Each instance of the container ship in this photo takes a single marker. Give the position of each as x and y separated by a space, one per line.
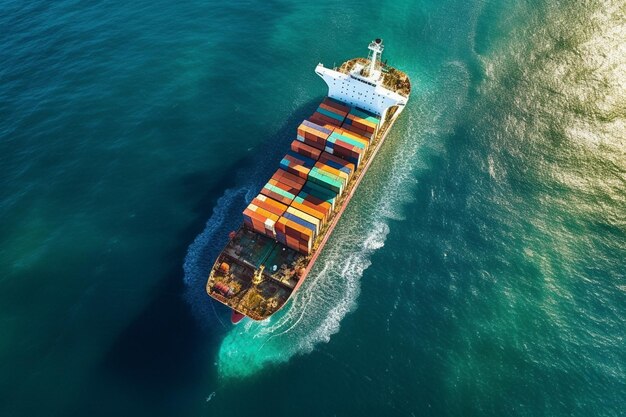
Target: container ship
286 226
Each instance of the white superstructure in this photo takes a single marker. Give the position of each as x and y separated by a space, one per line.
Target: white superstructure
363 87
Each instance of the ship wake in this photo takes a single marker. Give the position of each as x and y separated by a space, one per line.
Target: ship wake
332 289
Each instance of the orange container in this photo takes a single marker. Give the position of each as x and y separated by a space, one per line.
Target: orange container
356 130
333 171
287 182
361 123
270 204
292 177
290 188
309 210
288 178
317 204
273 195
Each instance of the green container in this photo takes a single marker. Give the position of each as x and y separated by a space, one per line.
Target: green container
325 181
347 140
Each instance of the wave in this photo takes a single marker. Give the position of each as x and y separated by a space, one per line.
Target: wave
206 246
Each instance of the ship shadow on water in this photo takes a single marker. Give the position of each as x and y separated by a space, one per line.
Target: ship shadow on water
171 346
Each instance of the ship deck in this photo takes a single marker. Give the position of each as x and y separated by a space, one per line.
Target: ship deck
244 254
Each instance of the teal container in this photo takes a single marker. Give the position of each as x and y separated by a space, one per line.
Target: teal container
325 181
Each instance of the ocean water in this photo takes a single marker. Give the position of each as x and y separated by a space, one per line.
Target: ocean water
480 269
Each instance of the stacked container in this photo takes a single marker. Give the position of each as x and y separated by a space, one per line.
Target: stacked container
262 214
322 193
297 164
306 150
294 235
362 120
327 180
301 196
337 163
313 134
330 113
353 129
346 147
354 135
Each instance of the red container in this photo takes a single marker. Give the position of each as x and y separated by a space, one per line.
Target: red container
281 173
293 185
356 130
336 105
295 167
275 196
290 188
333 110
312 136
323 120
325 157
306 150
317 204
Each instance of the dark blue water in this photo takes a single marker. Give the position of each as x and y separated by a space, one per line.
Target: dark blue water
479 270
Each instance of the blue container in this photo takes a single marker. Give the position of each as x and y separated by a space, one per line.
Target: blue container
338 166
301 222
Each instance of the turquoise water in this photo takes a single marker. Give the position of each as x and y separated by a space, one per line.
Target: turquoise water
479 269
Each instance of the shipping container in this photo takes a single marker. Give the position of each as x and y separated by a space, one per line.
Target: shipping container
325 180
314 202
304 216
296 164
295 168
286 184
337 105
353 135
323 120
347 151
277 193
282 174
360 143
306 150
299 220
362 120
340 174
260 220
312 134
337 162
336 113
356 130
270 204
320 192
298 203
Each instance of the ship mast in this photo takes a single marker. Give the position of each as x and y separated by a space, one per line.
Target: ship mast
376 46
